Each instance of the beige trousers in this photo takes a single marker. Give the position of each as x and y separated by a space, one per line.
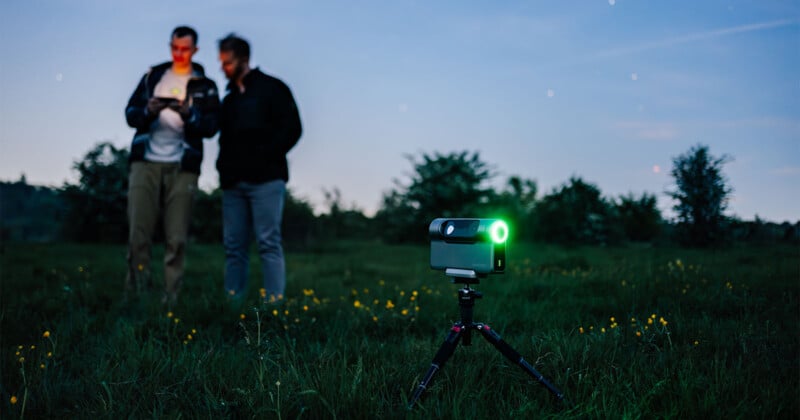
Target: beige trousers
155 188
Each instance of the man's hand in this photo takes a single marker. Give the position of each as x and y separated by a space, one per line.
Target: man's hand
183 108
154 106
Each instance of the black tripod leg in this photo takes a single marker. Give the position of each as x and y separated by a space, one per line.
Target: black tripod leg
515 357
445 351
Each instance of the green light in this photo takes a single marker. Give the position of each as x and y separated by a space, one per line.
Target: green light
498 231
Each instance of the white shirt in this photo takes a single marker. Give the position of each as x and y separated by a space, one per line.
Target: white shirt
166 133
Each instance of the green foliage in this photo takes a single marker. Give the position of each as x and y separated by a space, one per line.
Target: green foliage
702 196
452 185
29 213
575 213
515 204
96 206
639 218
299 224
206 224
341 222
624 332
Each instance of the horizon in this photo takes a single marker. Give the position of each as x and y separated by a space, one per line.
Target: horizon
610 91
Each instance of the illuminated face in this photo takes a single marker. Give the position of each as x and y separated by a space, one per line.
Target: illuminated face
232 66
183 49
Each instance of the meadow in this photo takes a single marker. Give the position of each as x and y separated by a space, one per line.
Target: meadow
629 332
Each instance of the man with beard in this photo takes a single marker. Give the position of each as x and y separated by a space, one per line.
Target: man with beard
259 124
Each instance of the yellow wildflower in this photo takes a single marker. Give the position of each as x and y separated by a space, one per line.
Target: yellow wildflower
13 399
404 312
49 354
357 303
241 316
262 292
580 330
308 292
169 314
46 334
375 318
389 304
638 333
274 312
41 366
189 337
305 307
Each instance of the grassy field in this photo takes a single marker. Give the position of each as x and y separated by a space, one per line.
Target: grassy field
623 332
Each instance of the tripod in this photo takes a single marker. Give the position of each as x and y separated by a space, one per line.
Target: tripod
462 330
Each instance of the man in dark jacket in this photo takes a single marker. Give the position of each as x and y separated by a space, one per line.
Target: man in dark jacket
259 124
172 109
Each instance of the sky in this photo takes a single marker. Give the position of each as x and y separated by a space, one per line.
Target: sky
607 90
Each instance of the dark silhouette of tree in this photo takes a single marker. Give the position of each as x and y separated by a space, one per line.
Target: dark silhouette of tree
515 204
576 213
341 222
702 196
639 218
206 224
96 205
451 185
29 213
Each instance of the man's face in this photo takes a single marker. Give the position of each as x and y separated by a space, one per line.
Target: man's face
232 66
183 49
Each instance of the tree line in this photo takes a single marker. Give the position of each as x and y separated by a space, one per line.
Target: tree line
456 184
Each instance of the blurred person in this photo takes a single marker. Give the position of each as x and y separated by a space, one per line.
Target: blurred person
259 124
172 109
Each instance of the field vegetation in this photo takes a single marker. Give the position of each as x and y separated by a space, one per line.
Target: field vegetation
624 332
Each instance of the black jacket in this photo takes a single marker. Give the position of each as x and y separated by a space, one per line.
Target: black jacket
203 121
257 128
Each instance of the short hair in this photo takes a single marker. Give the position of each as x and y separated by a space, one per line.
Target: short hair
235 44
182 31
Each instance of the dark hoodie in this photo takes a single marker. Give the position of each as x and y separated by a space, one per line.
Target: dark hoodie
202 121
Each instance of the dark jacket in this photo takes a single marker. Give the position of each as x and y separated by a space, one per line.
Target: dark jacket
257 128
202 122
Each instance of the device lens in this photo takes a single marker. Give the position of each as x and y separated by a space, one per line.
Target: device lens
499 231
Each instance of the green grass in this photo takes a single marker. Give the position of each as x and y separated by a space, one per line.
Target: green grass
723 344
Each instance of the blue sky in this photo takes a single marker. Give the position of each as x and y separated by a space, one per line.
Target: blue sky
608 90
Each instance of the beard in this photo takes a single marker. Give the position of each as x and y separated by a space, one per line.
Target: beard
237 72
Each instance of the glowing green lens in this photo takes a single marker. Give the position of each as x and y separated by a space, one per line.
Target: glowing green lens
498 231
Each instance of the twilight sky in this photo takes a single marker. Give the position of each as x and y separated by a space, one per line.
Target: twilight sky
608 90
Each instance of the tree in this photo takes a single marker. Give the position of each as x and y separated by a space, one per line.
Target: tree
702 196
452 185
576 213
96 205
639 218
515 205
341 222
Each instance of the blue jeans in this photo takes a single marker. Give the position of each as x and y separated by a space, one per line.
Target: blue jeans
256 208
